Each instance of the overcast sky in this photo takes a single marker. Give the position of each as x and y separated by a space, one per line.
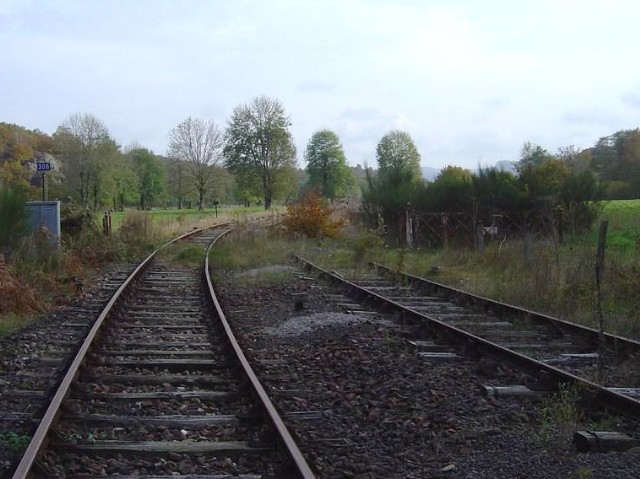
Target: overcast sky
469 80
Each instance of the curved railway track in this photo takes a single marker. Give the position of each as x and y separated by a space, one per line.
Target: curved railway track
33 360
551 351
160 388
162 392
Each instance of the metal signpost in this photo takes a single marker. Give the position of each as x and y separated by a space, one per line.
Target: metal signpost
43 167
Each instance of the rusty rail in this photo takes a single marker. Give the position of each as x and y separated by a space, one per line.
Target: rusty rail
39 440
618 342
474 344
293 451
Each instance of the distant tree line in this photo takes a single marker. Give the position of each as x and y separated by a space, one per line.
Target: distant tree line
567 187
252 160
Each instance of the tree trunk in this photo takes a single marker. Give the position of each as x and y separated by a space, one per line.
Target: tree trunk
325 180
95 196
200 198
266 183
87 189
82 188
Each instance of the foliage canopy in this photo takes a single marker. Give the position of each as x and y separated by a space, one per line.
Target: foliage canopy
398 156
258 145
327 165
199 144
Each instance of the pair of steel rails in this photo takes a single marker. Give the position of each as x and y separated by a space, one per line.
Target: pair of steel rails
548 375
470 342
39 440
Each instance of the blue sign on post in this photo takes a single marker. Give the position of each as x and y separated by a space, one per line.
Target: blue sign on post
43 166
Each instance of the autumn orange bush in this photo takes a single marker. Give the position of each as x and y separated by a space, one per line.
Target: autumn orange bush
312 217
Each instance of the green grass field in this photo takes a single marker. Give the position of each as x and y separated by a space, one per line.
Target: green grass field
624 224
190 216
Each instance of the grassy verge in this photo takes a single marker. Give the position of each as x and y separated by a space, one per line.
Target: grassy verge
12 322
37 278
185 218
257 257
186 254
557 279
553 278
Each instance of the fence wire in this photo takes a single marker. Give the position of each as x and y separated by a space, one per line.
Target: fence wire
557 279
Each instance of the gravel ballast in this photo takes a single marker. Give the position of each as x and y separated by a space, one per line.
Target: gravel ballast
379 410
385 412
34 360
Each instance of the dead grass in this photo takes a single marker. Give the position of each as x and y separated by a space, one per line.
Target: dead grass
39 278
558 280
245 249
15 294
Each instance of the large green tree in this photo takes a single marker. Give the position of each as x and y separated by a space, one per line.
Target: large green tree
397 155
452 189
395 188
531 156
616 161
259 145
580 195
152 176
110 165
179 184
327 165
199 144
397 183
83 141
497 191
119 183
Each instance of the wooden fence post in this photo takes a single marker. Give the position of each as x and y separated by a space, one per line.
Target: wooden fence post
479 237
408 225
602 242
527 242
445 231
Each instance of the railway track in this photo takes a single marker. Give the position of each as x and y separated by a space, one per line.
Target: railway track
157 396
160 388
554 353
33 360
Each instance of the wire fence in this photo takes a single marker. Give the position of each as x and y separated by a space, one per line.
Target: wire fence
558 279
